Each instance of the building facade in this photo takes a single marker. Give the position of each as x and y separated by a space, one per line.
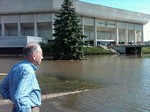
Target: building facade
29 18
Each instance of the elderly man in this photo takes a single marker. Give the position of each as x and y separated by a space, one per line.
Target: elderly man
21 85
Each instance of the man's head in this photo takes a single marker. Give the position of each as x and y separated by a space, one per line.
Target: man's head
33 53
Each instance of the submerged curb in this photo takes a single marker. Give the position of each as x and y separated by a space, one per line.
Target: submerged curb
48 96
3 74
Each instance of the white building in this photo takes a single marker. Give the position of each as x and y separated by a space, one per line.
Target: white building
29 18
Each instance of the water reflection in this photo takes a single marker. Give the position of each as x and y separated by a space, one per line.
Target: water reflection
125 81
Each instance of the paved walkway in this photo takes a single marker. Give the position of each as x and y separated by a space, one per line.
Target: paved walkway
47 105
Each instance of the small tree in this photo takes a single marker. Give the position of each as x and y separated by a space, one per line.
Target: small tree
68 33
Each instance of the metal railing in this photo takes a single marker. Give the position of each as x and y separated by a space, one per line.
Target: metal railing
109 49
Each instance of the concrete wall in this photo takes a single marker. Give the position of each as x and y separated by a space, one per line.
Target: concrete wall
109 13
84 9
18 41
35 18
25 6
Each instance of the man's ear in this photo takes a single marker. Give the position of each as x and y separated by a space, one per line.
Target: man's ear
33 56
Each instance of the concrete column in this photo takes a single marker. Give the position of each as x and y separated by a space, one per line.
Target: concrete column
35 25
138 37
19 26
127 38
142 36
95 33
135 37
3 26
126 31
117 36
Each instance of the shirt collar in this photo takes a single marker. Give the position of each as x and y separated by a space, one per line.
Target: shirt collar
33 66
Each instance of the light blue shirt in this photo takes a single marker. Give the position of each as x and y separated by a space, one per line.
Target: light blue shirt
21 87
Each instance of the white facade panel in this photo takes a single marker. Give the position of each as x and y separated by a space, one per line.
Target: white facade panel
121 25
44 17
89 21
10 18
27 18
100 23
138 27
106 23
112 24
131 26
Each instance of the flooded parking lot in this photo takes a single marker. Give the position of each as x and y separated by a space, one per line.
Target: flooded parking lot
125 83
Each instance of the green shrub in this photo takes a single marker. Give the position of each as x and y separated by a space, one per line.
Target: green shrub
47 48
145 49
95 50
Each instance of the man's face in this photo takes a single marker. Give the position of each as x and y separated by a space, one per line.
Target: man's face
38 56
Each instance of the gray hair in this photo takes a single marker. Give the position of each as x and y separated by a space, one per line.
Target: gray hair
30 48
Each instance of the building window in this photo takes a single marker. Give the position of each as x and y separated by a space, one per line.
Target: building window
27 29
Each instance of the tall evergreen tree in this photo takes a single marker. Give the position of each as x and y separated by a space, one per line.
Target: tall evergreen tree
68 33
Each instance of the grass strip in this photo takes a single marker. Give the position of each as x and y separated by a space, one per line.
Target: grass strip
51 84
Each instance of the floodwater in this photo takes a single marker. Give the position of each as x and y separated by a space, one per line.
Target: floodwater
125 83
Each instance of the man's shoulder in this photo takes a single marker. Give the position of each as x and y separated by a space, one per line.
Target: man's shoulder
22 65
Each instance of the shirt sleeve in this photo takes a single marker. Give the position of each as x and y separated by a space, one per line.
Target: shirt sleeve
4 88
22 93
